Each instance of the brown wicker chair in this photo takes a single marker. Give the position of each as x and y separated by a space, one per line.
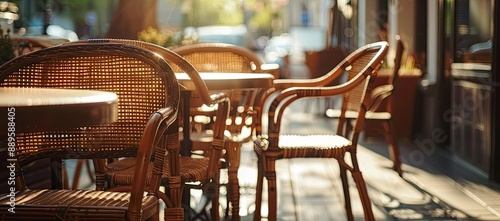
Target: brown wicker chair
202 171
272 145
382 95
220 57
148 95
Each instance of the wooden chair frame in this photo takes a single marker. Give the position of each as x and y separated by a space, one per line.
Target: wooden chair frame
141 130
271 145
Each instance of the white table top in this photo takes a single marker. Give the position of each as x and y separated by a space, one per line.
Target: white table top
17 97
43 109
228 81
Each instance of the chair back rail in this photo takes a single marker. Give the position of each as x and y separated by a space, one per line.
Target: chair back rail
360 65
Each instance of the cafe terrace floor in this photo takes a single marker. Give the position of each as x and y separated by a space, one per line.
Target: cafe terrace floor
435 185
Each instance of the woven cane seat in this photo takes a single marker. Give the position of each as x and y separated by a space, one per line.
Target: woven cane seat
71 205
191 170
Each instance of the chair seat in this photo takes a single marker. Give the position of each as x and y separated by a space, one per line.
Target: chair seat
370 115
335 113
377 115
191 170
70 205
201 139
317 146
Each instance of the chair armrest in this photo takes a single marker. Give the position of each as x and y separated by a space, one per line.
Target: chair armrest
219 98
156 126
326 79
378 95
286 97
222 113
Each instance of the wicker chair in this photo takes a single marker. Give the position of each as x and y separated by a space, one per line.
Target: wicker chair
271 146
381 109
203 172
220 57
148 95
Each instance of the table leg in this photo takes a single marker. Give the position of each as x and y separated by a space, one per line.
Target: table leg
57 174
186 144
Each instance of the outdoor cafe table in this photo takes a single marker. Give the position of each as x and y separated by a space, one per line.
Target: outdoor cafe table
220 81
228 81
49 109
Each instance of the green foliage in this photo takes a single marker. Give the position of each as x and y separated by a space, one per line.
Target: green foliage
78 9
216 12
165 37
262 19
6 46
75 9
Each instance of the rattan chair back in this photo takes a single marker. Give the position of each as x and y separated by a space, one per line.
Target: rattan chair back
148 95
141 88
220 57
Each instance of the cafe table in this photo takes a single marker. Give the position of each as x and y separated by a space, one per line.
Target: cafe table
24 110
46 109
219 81
228 81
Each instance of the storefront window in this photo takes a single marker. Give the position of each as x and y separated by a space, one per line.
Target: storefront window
473 31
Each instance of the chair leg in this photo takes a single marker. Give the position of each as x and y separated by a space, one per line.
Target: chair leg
272 188
392 140
258 196
233 152
228 203
100 177
215 215
363 194
175 192
345 188
175 214
76 177
234 194
272 197
64 176
155 217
